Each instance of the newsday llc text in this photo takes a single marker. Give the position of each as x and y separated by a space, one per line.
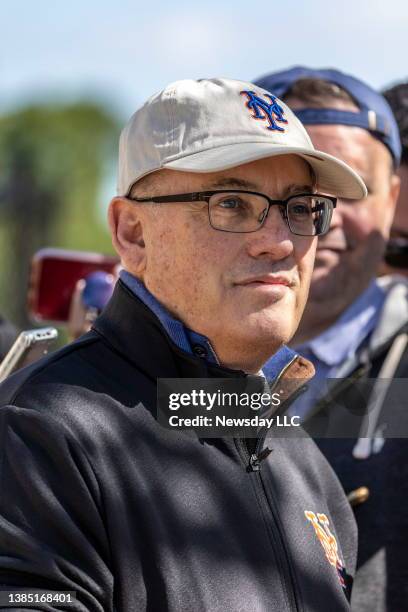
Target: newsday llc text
224 421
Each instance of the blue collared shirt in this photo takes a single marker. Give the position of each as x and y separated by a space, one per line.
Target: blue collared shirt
191 341
340 343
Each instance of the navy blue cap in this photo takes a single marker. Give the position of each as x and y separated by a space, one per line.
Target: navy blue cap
375 114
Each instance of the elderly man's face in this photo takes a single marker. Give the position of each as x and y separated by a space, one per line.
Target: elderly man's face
348 255
245 291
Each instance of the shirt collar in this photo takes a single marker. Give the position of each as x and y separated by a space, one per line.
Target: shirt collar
340 341
274 366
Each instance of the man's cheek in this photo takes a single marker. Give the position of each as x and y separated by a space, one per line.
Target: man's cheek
305 260
305 250
305 272
302 292
360 223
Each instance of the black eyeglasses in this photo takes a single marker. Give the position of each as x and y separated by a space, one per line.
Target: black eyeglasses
306 214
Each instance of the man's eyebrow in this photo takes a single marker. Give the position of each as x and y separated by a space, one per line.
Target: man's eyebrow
228 182
295 188
234 182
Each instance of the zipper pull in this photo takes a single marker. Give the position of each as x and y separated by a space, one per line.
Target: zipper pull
255 460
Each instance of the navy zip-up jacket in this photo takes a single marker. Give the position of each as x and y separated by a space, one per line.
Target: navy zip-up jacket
96 497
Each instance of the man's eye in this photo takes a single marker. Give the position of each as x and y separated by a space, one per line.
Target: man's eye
231 203
300 209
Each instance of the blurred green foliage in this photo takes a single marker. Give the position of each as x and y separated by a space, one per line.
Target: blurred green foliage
53 161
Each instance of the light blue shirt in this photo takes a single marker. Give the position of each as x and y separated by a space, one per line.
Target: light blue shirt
340 342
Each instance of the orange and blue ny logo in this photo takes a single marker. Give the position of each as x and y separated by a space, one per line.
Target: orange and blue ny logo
320 523
267 110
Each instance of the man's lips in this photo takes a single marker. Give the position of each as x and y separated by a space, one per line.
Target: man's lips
267 279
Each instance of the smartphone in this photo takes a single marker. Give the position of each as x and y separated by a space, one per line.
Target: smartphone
28 347
54 275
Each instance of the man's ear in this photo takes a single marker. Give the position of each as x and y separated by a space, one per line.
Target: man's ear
126 225
395 184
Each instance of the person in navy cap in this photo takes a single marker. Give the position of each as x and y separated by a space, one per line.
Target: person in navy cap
354 327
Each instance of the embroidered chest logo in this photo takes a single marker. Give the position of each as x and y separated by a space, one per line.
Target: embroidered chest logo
266 110
320 523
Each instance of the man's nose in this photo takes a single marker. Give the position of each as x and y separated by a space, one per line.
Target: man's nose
273 239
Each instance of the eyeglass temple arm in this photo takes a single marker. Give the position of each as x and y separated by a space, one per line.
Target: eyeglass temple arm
184 197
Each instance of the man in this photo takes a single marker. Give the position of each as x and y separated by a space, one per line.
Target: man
354 328
397 251
215 222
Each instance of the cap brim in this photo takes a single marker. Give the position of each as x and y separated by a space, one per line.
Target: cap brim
333 176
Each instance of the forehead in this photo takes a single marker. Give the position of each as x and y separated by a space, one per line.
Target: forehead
273 174
353 145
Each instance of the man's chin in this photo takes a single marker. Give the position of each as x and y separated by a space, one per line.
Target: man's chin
268 301
269 328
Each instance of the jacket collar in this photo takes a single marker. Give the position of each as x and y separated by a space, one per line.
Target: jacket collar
183 337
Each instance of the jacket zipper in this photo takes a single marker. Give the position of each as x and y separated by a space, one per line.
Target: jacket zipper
253 464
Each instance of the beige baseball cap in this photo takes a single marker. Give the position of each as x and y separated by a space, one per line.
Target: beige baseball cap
211 125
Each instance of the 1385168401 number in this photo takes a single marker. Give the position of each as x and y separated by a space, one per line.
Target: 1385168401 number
36 596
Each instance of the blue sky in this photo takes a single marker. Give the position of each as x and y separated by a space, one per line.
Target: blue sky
124 51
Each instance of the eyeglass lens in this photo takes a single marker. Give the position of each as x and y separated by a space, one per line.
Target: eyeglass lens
306 215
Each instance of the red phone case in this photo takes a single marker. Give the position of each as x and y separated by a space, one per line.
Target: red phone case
53 277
